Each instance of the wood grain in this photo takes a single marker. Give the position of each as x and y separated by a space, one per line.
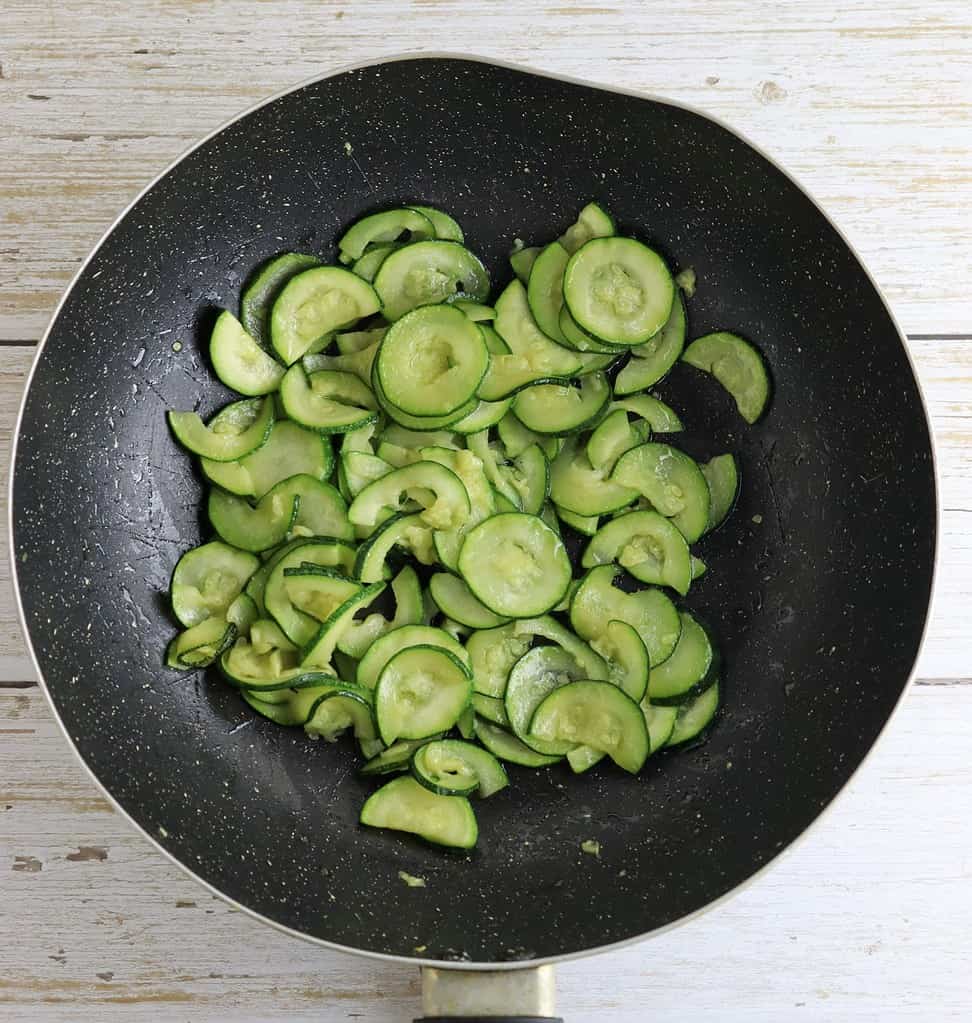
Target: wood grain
870 104
867 919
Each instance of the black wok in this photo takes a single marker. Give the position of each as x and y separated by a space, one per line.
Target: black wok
818 586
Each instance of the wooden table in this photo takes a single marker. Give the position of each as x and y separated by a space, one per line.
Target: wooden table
870 104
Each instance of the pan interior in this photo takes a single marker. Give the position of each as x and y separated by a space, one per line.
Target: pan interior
818 585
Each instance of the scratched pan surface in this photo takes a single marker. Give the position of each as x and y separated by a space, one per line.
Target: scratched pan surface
818 585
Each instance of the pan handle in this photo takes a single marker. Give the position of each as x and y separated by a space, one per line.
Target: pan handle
488 996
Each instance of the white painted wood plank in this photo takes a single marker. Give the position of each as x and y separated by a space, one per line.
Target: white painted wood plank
866 920
868 103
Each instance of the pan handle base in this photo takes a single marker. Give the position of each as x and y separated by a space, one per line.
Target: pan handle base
489 1019
488 996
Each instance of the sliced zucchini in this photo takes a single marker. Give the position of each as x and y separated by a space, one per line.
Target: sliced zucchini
382 228
591 664
370 263
492 654
516 438
359 470
431 361
515 564
408 611
405 530
506 746
319 652
446 228
421 691
563 408
239 361
597 602
351 342
452 768
660 722
322 510
280 713
298 624
695 716
576 486
207 580
359 362
404 805
595 714
722 477
428 483
585 524
475 311
583 758
647 545
397 757
200 644
336 712
234 431
612 438
699 568
737 365
404 437
289 450
261 292
521 262
483 416
488 456
305 596
491 708
658 416
387 646
242 613
690 668
626 656
533 356
423 424
671 481
536 674
428 272
456 600
327 401
619 290
545 290
580 340
314 304
593 221
469 468
251 528
651 361
528 478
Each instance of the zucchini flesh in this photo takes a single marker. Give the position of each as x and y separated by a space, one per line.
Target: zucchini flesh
262 290
239 361
431 361
422 690
737 365
404 805
722 478
236 431
515 564
313 305
618 290
651 361
426 273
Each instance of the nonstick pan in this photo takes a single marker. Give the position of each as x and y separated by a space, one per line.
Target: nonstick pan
818 588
